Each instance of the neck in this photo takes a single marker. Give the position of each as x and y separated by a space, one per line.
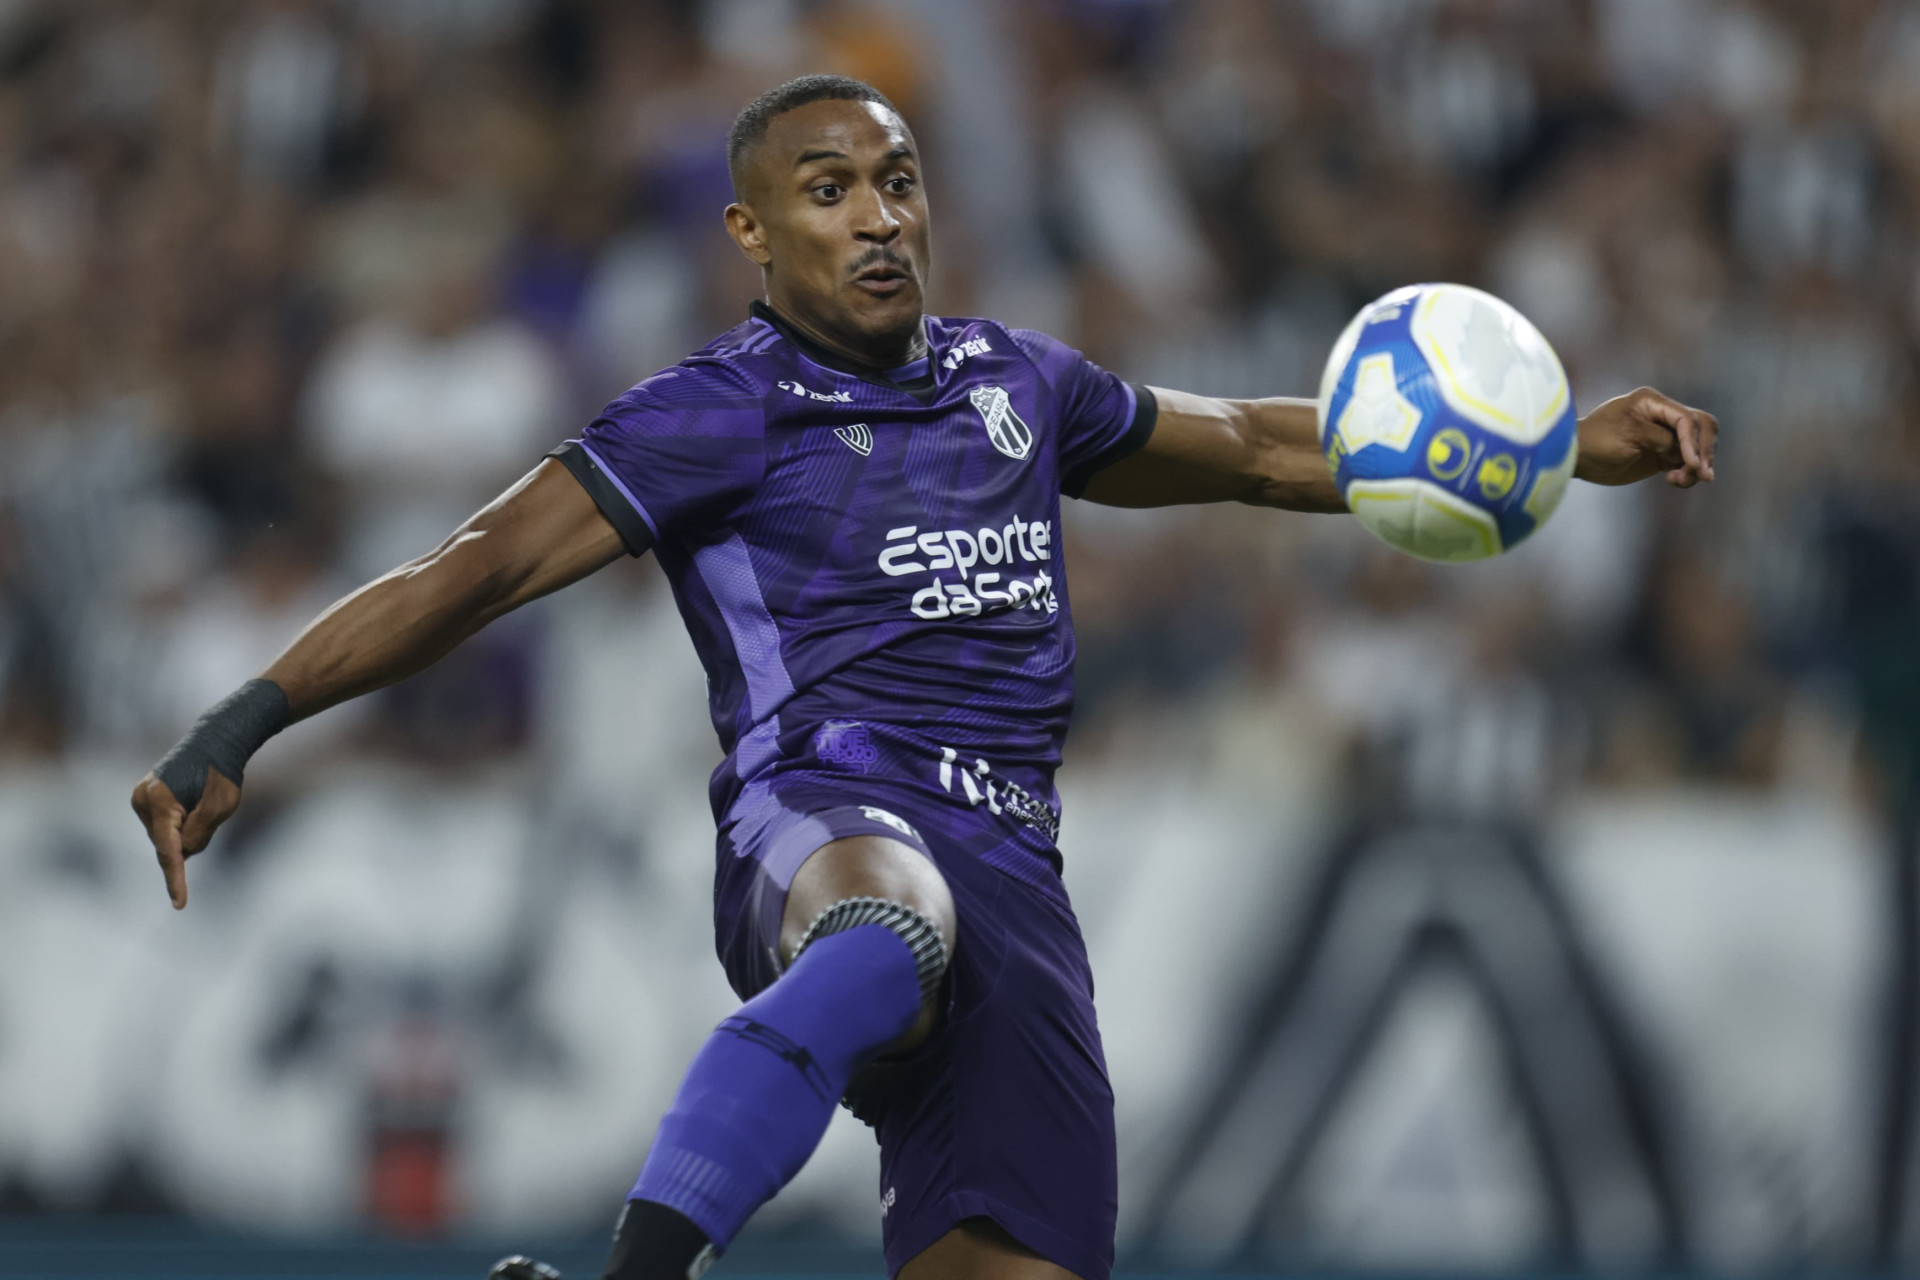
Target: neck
877 355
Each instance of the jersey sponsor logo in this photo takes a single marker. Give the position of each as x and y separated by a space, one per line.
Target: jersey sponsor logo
858 437
951 552
1005 428
847 743
979 786
876 814
965 351
826 397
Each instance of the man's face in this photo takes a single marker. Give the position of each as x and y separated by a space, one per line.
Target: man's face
832 207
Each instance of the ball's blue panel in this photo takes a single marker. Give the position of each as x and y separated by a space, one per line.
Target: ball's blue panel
1516 521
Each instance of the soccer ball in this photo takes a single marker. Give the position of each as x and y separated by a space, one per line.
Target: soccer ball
1447 422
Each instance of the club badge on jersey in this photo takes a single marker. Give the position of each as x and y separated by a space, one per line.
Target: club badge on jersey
1007 430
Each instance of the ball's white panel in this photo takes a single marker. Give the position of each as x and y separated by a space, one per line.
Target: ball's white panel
1489 362
1387 508
1453 530
1424 520
1336 362
1376 412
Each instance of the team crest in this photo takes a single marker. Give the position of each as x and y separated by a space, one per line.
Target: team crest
1004 427
857 437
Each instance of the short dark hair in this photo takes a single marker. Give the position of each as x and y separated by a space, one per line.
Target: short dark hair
750 126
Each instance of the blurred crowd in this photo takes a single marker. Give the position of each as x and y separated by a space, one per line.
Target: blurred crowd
291 286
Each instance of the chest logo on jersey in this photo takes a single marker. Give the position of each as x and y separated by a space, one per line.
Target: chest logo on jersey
826 397
965 351
1005 428
857 437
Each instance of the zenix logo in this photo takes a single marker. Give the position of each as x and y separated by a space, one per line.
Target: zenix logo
828 397
960 354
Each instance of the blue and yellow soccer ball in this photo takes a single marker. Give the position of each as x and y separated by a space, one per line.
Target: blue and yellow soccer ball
1447 422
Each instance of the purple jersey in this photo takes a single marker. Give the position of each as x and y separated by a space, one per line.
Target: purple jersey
859 557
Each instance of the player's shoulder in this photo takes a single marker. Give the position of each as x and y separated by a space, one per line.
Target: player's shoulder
730 375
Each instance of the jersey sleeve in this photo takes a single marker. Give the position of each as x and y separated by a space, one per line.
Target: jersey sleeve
679 452
1099 418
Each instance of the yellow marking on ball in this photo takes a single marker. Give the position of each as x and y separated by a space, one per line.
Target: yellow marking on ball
1448 453
1496 476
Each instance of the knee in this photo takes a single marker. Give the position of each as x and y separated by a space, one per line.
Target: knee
865 867
909 1015
918 907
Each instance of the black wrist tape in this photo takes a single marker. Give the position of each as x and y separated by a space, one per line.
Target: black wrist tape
225 738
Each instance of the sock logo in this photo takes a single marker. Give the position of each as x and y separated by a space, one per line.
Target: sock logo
783 1047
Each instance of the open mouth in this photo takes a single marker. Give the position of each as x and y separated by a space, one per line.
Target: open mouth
882 279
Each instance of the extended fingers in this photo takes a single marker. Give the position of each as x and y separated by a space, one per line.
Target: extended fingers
1709 437
1693 432
161 814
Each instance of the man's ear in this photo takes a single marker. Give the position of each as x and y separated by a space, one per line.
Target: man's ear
748 233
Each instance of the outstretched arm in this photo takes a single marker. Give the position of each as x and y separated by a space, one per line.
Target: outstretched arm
1267 452
537 537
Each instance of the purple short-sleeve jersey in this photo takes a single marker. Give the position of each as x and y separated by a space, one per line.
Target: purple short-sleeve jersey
876 551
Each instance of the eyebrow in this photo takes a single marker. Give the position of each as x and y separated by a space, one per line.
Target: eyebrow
828 153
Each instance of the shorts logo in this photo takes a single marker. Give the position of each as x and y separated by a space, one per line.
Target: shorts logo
857 437
1004 427
876 814
847 743
887 1201
1000 796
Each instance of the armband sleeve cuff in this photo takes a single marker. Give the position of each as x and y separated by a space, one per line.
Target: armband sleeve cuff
615 503
1146 411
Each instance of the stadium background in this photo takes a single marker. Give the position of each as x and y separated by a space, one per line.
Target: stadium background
1559 912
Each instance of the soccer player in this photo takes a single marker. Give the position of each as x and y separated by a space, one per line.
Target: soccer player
858 508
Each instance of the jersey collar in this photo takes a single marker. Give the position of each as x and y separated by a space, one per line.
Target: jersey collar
917 383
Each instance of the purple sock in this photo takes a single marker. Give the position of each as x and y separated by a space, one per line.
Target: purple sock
761 1090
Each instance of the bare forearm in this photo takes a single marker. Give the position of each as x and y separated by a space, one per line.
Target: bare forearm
397 625
537 537
1261 452
1291 471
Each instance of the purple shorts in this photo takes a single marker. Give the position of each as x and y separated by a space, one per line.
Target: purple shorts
1006 1113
